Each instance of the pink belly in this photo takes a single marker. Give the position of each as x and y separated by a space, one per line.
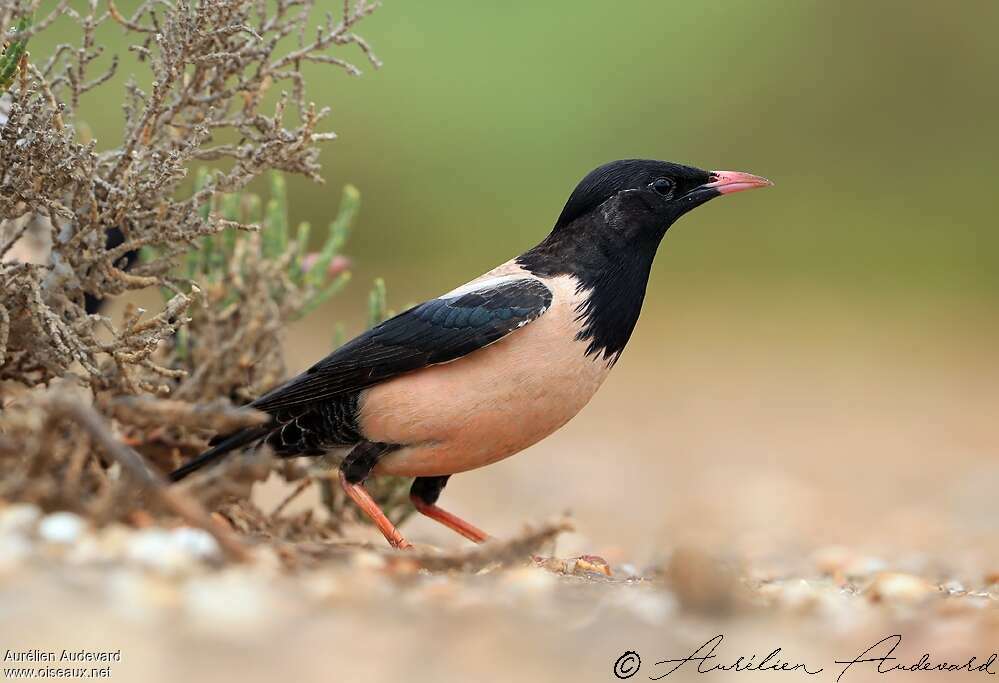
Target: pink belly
488 405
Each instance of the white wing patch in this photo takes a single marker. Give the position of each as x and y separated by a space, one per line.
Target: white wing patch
478 285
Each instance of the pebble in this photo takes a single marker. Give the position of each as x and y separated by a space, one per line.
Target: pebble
197 542
114 540
19 518
160 550
86 550
62 528
591 564
895 587
170 573
798 596
367 561
14 550
528 581
954 587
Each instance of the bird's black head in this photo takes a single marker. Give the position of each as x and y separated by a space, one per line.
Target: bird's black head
643 197
609 232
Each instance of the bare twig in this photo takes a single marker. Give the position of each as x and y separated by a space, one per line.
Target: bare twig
218 417
295 493
185 507
493 554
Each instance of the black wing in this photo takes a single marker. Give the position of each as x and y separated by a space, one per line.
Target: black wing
437 331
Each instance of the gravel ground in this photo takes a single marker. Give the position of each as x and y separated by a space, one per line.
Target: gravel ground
175 611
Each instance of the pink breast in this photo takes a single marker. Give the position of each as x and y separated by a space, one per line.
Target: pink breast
489 404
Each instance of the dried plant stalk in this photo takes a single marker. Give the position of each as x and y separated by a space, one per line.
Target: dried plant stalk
212 62
176 500
73 218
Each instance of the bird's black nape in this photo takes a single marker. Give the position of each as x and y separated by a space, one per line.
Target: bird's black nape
604 182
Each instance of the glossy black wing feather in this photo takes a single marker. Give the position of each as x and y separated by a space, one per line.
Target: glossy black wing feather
436 331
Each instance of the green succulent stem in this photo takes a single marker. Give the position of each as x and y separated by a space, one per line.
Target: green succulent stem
10 57
311 271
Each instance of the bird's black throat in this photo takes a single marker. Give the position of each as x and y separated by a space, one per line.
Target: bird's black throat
607 237
611 266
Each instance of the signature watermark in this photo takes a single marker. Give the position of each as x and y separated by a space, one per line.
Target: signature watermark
58 663
878 658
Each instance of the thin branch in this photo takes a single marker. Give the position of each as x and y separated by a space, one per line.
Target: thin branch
132 462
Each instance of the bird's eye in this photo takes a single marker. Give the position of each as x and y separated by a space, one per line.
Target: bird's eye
663 186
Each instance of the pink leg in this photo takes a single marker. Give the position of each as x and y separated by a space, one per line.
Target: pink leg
360 495
452 522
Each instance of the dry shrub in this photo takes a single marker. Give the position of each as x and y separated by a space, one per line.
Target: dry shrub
232 271
211 65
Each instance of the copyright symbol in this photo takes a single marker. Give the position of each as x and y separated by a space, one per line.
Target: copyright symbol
627 665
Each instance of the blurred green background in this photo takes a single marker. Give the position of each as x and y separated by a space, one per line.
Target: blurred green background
876 120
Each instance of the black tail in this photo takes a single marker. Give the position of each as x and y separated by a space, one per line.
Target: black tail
219 450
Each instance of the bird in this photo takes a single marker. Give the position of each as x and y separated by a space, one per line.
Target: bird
114 238
494 366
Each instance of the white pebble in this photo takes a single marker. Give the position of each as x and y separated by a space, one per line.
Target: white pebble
364 560
14 549
954 587
114 540
798 595
529 581
85 551
62 527
197 542
156 549
19 518
896 587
